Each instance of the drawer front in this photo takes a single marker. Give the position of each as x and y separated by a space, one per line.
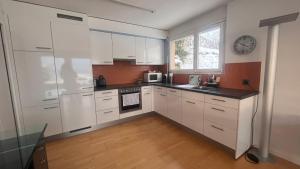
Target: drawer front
160 89
107 103
107 115
106 93
227 117
146 89
147 99
193 95
220 134
222 101
174 92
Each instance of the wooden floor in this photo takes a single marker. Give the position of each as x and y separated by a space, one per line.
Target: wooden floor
146 143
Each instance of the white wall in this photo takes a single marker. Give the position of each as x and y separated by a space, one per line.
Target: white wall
243 18
198 23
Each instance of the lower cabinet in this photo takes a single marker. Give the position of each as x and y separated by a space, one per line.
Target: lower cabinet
77 111
160 103
174 107
192 114
107 115
40 115
147 98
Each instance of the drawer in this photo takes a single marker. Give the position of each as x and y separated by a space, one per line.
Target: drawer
160 89
220 134
106 93
227 117
174 91
147 89
107 115
107 102
222 101
193 95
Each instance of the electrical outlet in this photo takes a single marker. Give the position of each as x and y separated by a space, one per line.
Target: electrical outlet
246 82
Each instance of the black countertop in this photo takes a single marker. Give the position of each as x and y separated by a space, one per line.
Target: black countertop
230 93
16 153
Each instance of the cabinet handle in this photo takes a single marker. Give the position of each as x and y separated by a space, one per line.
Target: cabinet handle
163 95
107 92
173 91
47 108
107 99
219 100
49 99
218 109
84 88
215 127
146 93
39 47
107 62
190 102
130 56
107 112
87 94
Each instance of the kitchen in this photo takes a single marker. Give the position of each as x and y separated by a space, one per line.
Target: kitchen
148 86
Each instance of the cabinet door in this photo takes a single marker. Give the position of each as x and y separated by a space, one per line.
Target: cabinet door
147 101
140 51
160 103
192 114
72 56
36 78
35 117
101 48
30 27
123 46
78 111
174 108
155 51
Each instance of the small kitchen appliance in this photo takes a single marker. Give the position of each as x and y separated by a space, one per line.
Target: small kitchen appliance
152 77
100 82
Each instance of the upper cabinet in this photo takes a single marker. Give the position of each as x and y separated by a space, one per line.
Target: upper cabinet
140 51
123 46
30 27
101 48
155 51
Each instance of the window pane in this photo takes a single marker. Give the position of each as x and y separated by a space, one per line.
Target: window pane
209 49
182 53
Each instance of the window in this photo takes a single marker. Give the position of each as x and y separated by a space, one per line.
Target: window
182 52
209 56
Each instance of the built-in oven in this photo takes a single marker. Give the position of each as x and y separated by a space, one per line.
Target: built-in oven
130 99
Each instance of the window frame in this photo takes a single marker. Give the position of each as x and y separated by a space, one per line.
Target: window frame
195 70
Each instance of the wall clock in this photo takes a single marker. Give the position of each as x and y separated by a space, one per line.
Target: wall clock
244 45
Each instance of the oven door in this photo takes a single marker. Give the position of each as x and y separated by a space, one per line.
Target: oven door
130 102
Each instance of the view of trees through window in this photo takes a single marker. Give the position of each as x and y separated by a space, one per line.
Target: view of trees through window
209 47
184 53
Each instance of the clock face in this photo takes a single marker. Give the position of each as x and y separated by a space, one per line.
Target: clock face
244 45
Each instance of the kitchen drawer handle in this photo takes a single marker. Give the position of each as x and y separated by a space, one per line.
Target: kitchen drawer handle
88 95
163 95
108 62
218 109
107 92
190 102
107 112
131 56
147 93
49 99
174 91
107 99
40 47
87 88
140 62
219 100
47 108
218 128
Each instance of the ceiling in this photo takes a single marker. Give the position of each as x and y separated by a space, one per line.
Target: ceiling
168 13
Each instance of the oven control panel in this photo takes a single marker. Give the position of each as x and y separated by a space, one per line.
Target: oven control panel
130 90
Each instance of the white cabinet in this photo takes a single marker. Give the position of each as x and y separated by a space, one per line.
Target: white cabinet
123 46
107 106
140 51
30 27
147 98
192 114
36 78
174 106
35 117
101 48
160 103
155 51
72 56
78 111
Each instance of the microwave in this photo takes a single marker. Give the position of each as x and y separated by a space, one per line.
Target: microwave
152 77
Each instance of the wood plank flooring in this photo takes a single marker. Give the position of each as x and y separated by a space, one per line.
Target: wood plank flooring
150 142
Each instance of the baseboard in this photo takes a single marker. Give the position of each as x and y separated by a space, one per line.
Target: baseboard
289 157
